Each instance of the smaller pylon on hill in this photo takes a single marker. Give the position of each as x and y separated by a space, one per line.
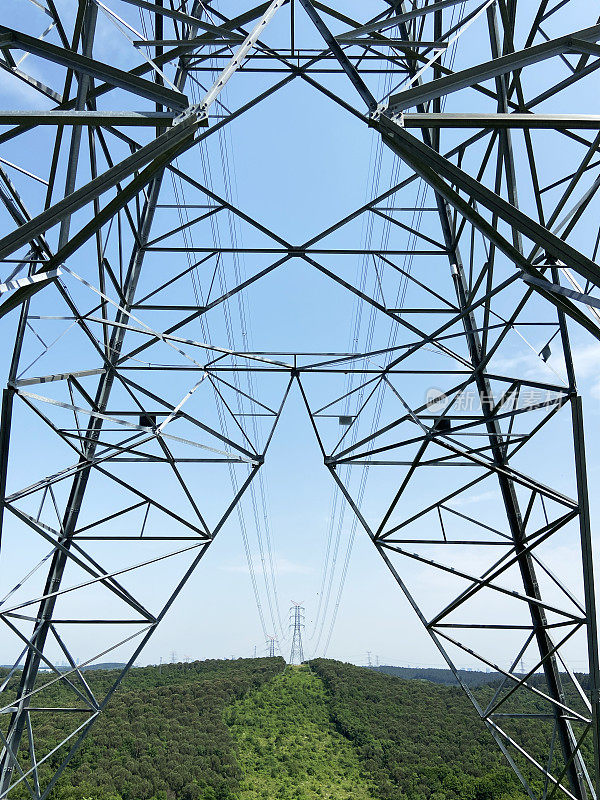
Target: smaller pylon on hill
297 623
271 640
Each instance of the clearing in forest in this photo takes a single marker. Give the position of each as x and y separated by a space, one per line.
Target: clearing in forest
288 747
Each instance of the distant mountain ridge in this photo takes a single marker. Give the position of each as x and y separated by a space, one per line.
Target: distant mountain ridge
66 667
438 675
471 678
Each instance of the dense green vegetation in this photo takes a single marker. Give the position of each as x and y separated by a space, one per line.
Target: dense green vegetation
162 737
250 730
288 747
419 741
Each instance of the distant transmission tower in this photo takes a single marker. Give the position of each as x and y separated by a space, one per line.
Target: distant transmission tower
297 623
271 646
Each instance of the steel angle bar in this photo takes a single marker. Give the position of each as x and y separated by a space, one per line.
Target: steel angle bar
544 238
84 561
75 242
511 669
500 699
502 65
157 149
513 474
397 44
521 682
109 517
42 278
270 412
451 665
241 54
249 456
59 592
32 755
345 63
179 135
498 731
65 674
180 16
12 39
580 297
397 19
420 153
576 754
184 226
49 664
225 204
34 83
140 348
156 119
334 13
27 290
588 575
396 318
586 47
478 584
8 749
504 563
202 534
58 377
17 209
501 120
385 195
170 55
420 235
395 423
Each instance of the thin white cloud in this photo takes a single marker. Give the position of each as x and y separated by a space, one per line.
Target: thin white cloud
529 365
587 362
471 499
17 91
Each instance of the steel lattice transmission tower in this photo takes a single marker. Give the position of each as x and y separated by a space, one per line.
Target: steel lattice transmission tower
296 626
135 416
271 642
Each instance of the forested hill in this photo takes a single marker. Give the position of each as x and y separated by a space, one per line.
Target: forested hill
162 737
443 676
418 740
254 729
